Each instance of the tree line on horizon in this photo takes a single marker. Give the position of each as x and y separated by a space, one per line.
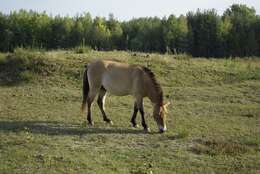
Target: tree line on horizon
200 33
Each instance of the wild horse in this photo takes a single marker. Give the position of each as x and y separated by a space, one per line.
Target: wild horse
101 76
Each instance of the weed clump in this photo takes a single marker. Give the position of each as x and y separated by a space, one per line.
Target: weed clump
82 49
23 65
218 147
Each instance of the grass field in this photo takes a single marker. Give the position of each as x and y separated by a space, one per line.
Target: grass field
213 122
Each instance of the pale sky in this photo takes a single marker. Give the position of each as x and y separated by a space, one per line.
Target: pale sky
122 9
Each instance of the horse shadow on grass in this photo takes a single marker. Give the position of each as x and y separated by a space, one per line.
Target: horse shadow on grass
57 128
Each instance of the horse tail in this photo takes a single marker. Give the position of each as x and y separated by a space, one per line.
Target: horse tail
85 89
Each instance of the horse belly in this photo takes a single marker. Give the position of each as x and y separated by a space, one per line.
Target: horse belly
117 85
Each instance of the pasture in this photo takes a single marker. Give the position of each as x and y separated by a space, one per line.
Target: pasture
213 120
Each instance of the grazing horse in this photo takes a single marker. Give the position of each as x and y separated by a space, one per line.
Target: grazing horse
101 76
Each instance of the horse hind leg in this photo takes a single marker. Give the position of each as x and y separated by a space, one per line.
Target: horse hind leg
101 104
91 96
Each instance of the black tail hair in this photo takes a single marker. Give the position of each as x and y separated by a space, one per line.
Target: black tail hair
85 89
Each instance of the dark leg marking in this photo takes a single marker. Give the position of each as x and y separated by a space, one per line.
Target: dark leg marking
143 120
133 119
100 101
89 118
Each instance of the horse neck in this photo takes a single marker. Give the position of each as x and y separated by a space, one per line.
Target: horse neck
156 109
153 90
155 96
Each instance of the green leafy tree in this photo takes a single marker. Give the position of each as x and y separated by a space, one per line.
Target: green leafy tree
257 33
175 34
204 29
77 34
86 21
116 31
60 32
100 34
242 37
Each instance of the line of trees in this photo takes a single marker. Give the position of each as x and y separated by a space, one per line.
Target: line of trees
201 33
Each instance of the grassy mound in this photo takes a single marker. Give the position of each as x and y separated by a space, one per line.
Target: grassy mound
23 65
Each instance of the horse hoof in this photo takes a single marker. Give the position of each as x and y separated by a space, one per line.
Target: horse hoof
91 123
109 122
134 125
147 130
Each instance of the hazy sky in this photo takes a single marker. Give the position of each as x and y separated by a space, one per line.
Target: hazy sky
122 9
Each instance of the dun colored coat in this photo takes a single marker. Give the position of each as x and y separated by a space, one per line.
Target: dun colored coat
122 79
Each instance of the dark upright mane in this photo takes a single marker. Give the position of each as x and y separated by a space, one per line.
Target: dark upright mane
157 86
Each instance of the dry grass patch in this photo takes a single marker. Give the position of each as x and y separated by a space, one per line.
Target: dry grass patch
219 147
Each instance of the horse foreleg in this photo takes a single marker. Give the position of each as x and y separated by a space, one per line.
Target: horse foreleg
146 128
141 109
133 119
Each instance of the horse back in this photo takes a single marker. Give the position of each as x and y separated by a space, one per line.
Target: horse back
117 78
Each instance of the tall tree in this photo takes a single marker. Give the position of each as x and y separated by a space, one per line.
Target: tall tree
100 34
175 34
242 37
116 31
203 33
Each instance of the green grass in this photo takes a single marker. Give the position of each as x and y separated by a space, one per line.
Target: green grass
213 121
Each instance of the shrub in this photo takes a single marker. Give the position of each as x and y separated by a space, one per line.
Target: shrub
82 49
